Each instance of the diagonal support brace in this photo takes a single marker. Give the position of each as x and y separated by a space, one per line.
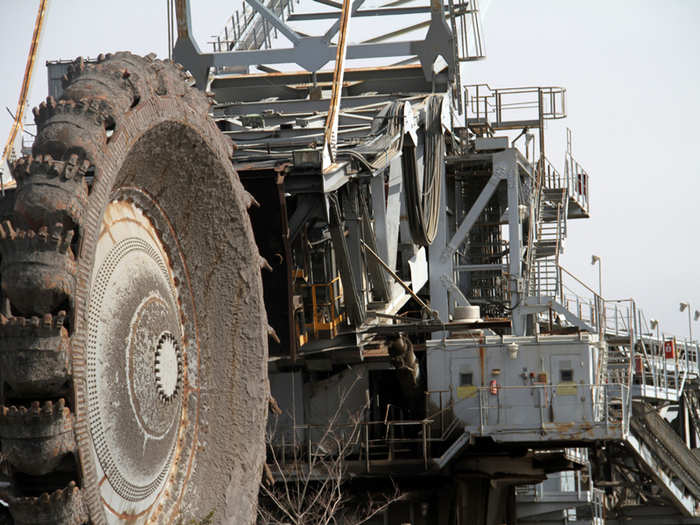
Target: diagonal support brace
473 215
271 17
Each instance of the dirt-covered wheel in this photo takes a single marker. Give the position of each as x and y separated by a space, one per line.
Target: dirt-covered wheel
133 332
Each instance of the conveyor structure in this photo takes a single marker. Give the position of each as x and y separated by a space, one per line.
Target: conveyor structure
424 332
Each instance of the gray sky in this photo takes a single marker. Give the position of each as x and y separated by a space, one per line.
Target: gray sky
632 79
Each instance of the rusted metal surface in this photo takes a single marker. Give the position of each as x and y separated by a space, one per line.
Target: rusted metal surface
148 315
330 137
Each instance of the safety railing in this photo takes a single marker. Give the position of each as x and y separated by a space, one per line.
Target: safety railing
362 442
688 354
577 455
568 484
598 506
619 318
326 308
575 179
612 317
488 409
245 29
580 299
661 364
552 178
511 108
577 182
442 412
466 25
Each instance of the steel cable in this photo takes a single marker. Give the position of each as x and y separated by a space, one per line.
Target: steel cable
423 204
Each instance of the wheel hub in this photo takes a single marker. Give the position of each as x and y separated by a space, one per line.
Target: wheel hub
168 367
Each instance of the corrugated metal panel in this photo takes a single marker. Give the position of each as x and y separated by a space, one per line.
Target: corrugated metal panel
56 70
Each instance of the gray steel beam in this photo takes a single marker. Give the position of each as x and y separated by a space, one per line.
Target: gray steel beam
350 205
311 53
353 75
330 3
452 288
374 85
278 24
319 52
352 296
380 285
506 162
329 15
479 267
307 205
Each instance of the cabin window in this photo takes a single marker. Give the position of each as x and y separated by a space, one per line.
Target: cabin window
466 378
566 375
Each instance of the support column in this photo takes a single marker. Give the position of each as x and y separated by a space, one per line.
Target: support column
481 501
505 162
351 212
387 211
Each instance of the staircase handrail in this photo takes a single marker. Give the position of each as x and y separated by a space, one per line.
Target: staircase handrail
567 272
553 179
577 181
557 247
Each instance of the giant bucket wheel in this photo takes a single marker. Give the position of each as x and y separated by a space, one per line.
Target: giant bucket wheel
133 331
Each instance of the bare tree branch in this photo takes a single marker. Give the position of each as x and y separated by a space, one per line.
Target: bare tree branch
311 489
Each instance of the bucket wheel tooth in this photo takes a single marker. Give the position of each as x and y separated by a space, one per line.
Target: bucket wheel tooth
35 355
61 507
50 191
38 268
122 294
72 127
35 440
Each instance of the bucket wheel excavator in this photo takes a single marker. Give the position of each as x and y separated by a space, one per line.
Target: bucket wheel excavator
133 335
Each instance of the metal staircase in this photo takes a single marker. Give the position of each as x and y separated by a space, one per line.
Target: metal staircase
550 233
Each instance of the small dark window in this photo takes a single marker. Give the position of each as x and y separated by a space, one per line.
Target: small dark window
566 375
465 379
